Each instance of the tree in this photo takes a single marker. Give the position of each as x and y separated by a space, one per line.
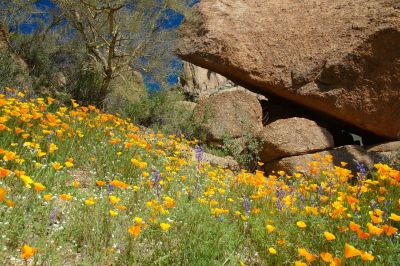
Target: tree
27 28
12 14
121 36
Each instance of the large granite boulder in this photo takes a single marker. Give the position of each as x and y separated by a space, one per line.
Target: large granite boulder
229 114
340 58
293 136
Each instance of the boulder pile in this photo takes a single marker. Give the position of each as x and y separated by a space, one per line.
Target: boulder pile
328 69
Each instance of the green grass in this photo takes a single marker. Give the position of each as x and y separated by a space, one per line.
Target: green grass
217 217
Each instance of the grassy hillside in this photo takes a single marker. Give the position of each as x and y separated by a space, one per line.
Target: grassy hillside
81 187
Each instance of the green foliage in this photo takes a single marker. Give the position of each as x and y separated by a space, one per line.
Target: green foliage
218 217
121 37
86 88
111 39
11 74
245 150
163 111
38 60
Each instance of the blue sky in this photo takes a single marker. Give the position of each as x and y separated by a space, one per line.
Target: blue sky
171 20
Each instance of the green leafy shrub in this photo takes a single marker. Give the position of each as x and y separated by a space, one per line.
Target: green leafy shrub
11 74
245 150
85 90
161 111
38 60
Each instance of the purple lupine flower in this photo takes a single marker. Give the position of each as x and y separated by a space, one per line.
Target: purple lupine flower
110 188
361 176
280 194
156 176
199 153
198 185
362 171
302 200
53 215
320 189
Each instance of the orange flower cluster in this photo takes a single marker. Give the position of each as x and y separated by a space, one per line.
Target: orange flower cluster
303 218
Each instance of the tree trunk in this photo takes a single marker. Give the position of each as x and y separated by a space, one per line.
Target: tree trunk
103 92
4 36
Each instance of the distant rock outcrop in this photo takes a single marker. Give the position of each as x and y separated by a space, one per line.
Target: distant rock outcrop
199 83
340 58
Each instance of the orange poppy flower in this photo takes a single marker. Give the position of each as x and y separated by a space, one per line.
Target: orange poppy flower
27 251
351 251
134 230
326 256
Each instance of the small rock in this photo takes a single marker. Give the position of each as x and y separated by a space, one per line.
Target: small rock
385 147
225 162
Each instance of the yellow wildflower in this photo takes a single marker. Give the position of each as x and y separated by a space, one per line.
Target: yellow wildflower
394 217
301 224
113 213
165 226
272 251
90 201
329 236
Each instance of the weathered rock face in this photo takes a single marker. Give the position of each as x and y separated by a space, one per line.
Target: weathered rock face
349 154
340 58
293 136
388 152
199 83
385 147
230 113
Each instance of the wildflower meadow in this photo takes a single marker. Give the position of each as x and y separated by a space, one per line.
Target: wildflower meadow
82 187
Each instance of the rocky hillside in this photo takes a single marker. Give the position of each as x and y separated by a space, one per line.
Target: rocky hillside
328 69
